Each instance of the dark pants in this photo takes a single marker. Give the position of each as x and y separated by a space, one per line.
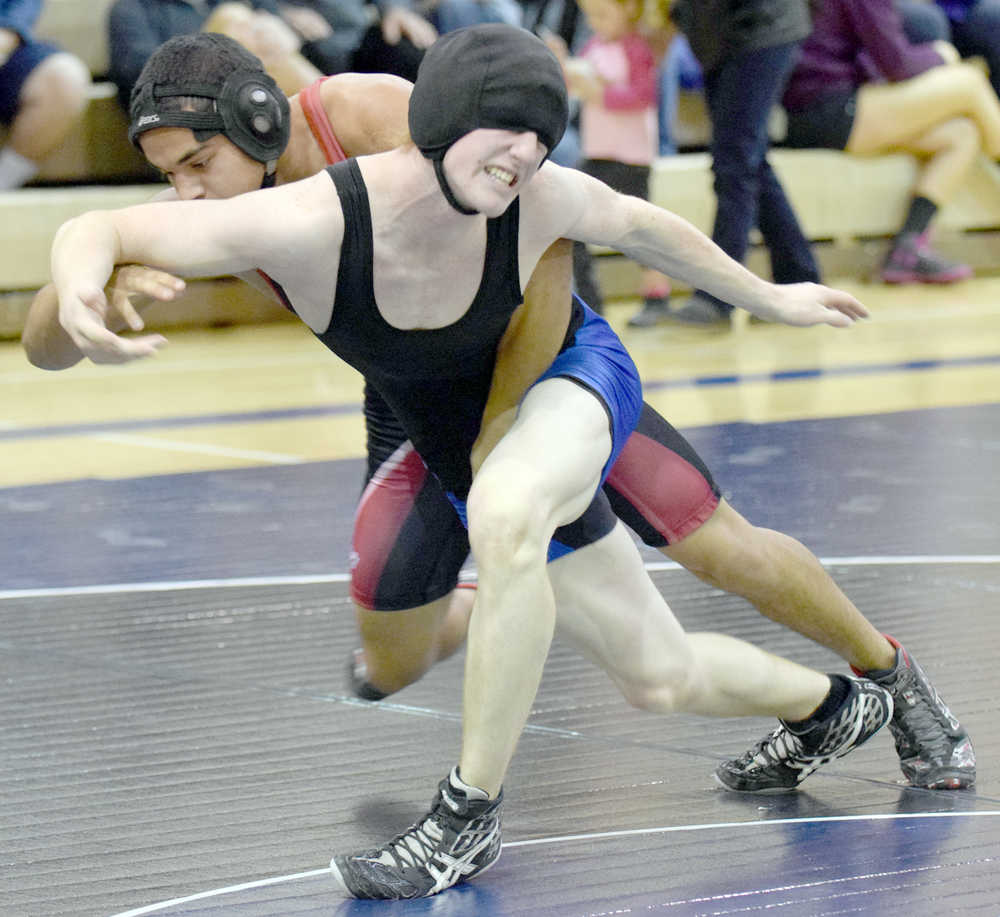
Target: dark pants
741 93
977 35
364 52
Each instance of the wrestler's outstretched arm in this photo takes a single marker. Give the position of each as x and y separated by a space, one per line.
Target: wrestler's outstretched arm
568 203
193 238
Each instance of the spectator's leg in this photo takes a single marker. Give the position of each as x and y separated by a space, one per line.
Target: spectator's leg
50 103
896 115
927 115
740 95
792 259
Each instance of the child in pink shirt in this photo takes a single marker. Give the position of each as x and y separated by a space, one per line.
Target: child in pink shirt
614 76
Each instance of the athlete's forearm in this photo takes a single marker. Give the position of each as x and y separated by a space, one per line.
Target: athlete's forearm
45 341
529 345
662 240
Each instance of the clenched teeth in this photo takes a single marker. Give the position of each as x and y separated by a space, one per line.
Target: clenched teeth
508 178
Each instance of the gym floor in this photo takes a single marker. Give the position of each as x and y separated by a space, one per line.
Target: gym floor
177 738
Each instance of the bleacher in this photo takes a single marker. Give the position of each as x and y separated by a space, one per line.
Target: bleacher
96 168
843 202
847 206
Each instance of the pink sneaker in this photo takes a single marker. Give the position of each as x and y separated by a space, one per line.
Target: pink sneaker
912 260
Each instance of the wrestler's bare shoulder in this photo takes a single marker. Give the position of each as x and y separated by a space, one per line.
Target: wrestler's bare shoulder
368 110
551 201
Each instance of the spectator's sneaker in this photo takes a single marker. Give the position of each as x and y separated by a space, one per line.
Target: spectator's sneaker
357 678
912 260
935 752
702 311
655 310
458 839
782 760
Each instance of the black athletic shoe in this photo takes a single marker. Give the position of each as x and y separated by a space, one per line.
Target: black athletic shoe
782 760
935 751
357 678
458 839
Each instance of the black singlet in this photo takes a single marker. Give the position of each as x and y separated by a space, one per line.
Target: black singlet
436 381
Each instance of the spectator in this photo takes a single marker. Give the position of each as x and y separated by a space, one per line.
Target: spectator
136 28
746 51
347 35
43 91
860 86
615 78
389 37
972 26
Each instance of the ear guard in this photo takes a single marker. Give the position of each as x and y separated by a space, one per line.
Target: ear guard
249 110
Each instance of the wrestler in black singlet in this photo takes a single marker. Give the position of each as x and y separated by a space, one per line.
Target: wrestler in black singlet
434 384
436 381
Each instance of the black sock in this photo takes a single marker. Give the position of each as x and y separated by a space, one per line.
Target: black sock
840 688
919 216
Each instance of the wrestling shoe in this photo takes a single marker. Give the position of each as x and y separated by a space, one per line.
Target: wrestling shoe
935 751
782 760
458 839
357 677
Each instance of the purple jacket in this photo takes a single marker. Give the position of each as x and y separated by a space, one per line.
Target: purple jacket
854 42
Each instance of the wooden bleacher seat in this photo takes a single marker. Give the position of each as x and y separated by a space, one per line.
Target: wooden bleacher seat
836 196
31 216
842 202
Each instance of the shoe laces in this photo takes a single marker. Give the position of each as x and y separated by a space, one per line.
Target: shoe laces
417 844
778 747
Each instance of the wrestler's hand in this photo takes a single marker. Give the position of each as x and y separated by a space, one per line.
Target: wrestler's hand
133 287
83 314
813 304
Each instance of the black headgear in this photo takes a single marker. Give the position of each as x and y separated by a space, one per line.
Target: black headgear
492 75
249 109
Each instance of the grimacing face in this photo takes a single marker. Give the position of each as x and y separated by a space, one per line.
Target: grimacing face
487 168
212 169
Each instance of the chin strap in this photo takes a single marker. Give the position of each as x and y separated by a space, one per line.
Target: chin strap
446 191
270 175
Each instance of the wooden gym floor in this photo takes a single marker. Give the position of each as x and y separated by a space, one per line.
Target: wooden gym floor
175 734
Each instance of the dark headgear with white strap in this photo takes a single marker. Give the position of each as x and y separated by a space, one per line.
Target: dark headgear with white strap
247 107
493 76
